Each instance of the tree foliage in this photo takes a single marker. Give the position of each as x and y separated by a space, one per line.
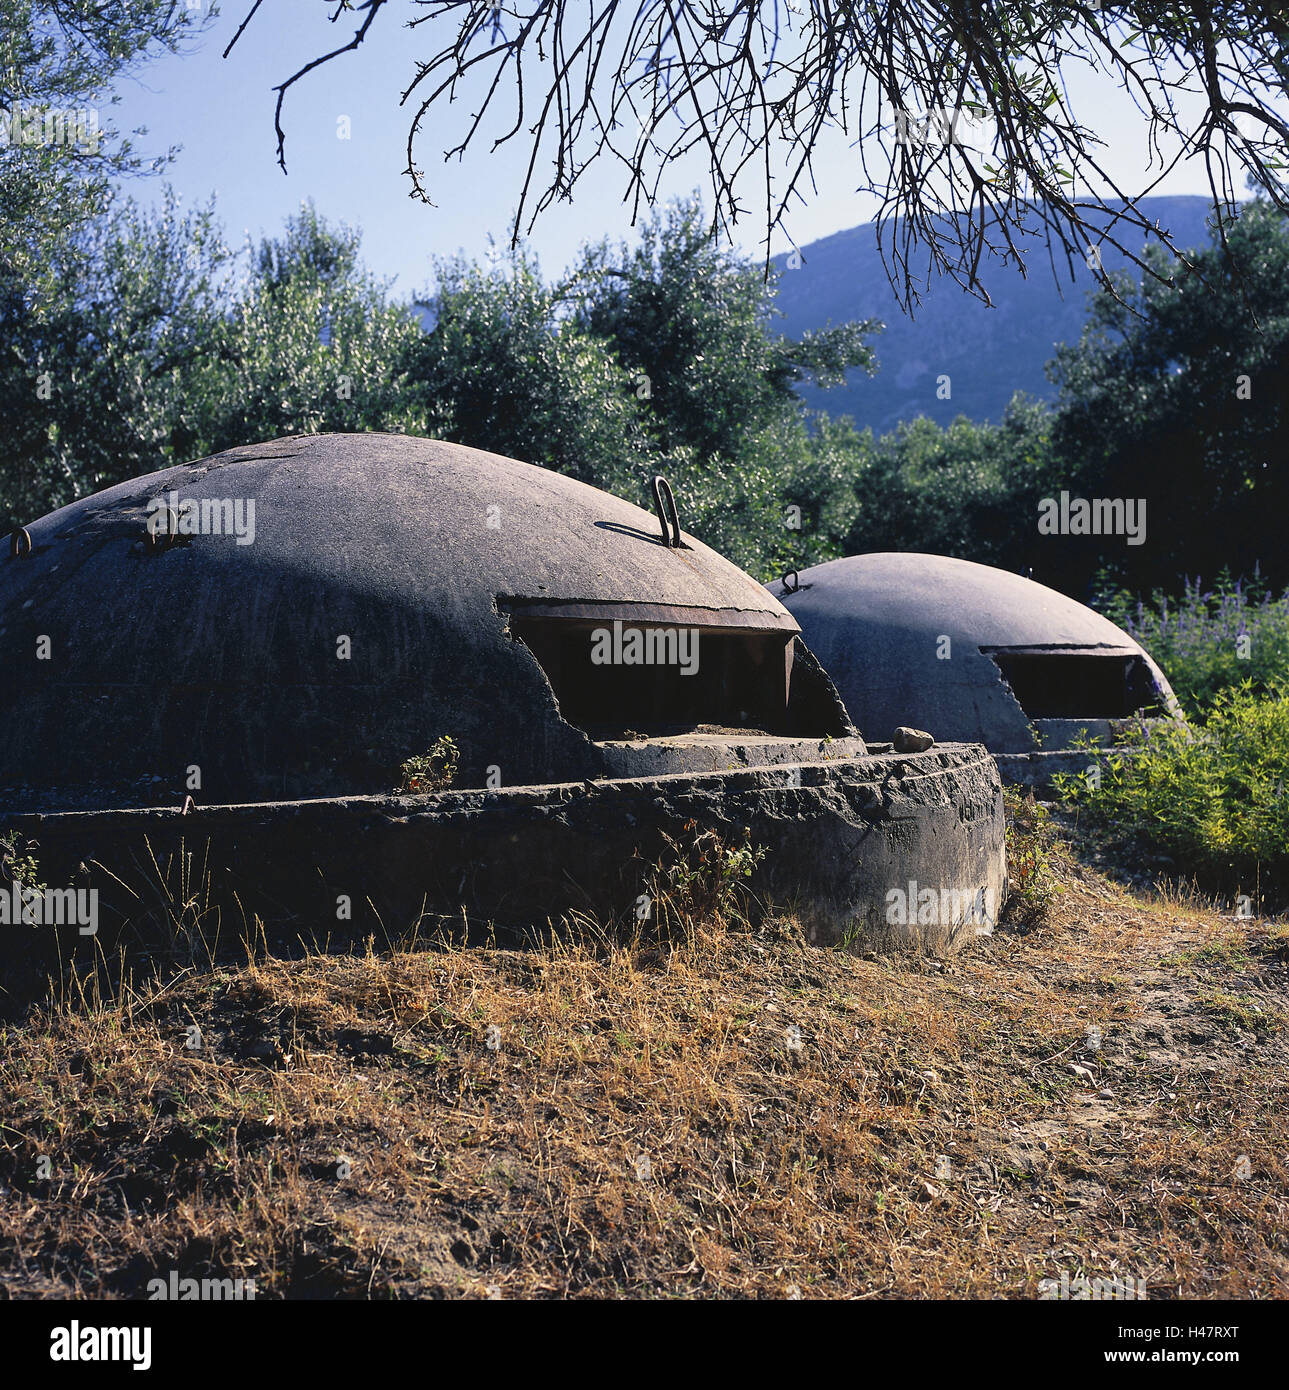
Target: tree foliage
152 342
146 347
155 343
693 321
970 489
97 370
1180 395
58 149
660 357
309 342
506 368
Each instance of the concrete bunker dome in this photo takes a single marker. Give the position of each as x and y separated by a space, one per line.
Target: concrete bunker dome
974 653
386 590
400 589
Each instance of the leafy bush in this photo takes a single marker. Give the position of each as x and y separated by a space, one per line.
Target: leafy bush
1031 878
1213 795
1211 639
432 771
18 861
701 880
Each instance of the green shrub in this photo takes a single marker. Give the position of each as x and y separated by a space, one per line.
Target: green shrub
432 771
1212 795
1210 640
18 861
702 879
1031 878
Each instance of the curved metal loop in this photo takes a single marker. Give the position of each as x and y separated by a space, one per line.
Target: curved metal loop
154 542
672 540
19 543
796 581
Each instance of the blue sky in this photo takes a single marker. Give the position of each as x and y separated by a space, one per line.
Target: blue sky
221 111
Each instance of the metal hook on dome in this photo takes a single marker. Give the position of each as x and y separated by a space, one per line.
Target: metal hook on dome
19 543
796 581
672 540
163 537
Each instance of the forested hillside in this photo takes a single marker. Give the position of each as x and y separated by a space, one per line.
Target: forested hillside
987 353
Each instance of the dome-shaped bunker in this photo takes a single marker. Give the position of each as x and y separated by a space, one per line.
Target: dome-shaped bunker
220 668
297 618
969 652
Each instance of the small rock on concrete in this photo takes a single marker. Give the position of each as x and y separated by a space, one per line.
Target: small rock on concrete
912 740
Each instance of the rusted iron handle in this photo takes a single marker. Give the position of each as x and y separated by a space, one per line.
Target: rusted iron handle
154 542
660 484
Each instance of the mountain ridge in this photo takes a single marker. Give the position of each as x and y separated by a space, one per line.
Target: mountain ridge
987 353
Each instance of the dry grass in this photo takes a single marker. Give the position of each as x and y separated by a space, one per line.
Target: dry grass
738 1114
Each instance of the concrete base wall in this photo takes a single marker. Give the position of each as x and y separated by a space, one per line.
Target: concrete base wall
720 753
840 835
1037 769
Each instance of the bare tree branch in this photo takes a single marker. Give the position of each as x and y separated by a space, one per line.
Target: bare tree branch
959 109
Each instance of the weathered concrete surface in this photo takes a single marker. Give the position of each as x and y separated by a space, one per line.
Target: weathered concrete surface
658 757
226 657
840 836
878 624
1038 769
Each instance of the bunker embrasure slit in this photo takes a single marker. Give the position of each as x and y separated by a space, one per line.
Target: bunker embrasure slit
1076 685
616 675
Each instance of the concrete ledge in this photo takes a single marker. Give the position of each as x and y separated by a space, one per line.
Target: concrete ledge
1038 769
840 835
720 753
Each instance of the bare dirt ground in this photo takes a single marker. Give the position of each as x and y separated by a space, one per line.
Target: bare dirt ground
739 1114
